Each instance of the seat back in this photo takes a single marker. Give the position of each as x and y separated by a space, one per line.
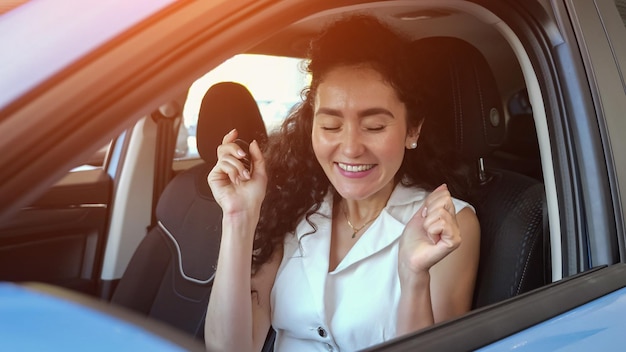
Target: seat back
468 114
520 152
169 277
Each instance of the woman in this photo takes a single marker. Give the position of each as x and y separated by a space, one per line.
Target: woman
357 239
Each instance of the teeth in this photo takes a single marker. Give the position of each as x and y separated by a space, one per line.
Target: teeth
355 168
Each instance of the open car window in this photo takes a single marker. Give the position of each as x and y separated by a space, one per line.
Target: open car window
558 73
274 81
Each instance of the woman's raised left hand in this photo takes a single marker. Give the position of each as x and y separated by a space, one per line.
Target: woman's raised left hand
430 235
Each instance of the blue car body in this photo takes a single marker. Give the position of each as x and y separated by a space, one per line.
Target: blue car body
598 325
37 320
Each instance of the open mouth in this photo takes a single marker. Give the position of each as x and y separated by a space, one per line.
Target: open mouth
355 168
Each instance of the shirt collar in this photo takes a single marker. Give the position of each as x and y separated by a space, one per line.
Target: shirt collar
401 195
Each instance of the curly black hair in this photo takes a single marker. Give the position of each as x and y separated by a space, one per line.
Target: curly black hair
297 184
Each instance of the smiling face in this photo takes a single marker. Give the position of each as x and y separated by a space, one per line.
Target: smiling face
359 131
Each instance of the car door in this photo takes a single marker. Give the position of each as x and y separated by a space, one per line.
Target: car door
58 234
59 238
577 50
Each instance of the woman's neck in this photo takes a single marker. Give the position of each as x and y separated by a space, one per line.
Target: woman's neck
363 210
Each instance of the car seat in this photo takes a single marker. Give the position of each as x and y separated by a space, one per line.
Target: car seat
170 275
520 150
468 115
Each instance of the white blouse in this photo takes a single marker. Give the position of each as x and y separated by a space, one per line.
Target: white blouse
353 306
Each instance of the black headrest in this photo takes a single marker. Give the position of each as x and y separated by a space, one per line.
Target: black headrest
459 82
521 132
225 106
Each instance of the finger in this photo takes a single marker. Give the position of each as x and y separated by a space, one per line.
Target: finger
230 136
450 239
230 149
222 174
442 232
431 199
441 217
441 187
216 175
231 167
434 231
232 153
258 160
438 215
440 199
439 193
435 216
444 203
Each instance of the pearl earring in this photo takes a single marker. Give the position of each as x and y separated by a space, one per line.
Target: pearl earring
413 145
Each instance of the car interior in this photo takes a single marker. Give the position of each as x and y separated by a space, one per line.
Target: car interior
170 274
161 265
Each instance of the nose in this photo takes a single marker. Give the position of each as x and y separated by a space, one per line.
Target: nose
352 142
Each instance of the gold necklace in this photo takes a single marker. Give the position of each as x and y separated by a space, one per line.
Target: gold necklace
356 230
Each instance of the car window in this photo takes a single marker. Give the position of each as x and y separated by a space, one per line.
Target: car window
95 161
275 82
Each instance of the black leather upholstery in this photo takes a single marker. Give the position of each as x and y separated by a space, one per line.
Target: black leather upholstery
520 152
510 210
459 83
170 275
509 205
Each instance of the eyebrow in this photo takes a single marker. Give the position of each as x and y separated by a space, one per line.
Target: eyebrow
363 113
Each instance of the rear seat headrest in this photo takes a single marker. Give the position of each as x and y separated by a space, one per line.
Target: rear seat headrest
466 99
227 105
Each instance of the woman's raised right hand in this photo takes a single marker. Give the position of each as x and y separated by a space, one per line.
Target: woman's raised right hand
234 188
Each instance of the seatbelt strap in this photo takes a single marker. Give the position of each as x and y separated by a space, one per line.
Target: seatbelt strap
167 118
